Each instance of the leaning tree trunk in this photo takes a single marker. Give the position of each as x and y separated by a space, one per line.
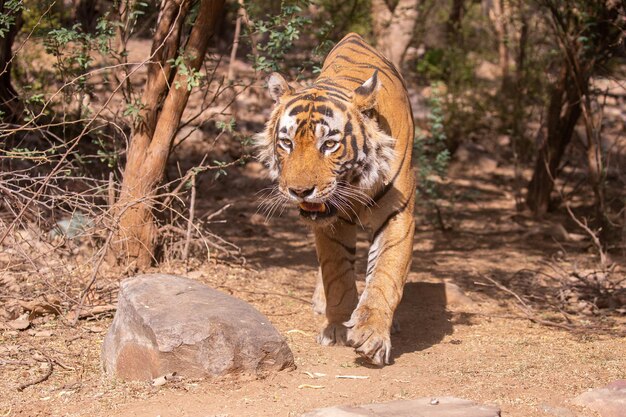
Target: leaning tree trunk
563 113
163 102
10 104
394 27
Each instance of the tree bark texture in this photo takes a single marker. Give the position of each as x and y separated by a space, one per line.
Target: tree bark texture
394 27
455 22
499 14
87 13
563 112
164 99
10 103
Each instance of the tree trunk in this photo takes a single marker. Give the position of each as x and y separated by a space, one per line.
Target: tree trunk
87 13
595 158
455 23
394 27
499 15
157 124
233 51
563 113
10 104
520 143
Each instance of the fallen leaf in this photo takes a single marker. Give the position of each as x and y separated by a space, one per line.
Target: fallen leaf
314 375
12 309
352 376
45 304
95 329
20 323
89 311
10 284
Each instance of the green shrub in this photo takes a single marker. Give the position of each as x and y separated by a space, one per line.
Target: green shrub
431 153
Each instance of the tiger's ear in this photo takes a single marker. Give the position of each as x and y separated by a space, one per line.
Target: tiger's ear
365 95
278 86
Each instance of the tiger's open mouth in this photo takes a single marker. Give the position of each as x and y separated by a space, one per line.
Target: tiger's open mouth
316 211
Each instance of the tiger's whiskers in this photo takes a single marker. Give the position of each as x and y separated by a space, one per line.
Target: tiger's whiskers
271 201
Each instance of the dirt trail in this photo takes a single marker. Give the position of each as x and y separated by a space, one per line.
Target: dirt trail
483 351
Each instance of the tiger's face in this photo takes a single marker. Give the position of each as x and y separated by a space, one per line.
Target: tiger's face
324 148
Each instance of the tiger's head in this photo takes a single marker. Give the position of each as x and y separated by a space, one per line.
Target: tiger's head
325 148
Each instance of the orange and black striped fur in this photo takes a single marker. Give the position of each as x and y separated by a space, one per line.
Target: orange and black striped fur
340 149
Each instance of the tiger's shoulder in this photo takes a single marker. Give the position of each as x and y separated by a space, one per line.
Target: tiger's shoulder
353 60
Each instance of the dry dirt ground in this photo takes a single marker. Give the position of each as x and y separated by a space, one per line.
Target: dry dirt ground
484 350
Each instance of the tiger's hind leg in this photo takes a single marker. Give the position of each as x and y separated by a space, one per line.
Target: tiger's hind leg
319 299
336 247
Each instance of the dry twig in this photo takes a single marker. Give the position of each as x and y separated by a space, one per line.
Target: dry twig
192 207
39 379
594 236
526 309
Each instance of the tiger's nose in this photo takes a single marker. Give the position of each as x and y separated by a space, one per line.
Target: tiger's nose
301 193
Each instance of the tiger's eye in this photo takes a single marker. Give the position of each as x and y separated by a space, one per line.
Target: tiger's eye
329 144
286 143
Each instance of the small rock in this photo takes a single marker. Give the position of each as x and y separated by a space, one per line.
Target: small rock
556 411
456 297
73 227
421 407
609 401
163 379
167 323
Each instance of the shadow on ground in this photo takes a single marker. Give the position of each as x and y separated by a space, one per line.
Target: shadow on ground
423 318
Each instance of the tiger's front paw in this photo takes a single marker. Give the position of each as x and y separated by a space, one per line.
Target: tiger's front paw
333 334
369 336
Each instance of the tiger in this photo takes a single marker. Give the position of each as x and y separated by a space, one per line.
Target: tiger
340 150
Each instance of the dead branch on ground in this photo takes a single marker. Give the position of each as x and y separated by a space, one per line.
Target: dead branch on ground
530 314
43 377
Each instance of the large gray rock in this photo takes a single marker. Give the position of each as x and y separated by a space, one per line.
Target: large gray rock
167 323
609 401
421 407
